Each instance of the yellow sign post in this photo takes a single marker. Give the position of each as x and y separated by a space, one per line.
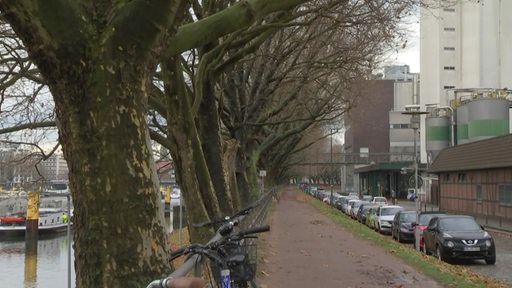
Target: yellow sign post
32 216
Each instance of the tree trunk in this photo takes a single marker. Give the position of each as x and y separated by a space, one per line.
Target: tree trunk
191 169
229 160
99 77
209 124
111 171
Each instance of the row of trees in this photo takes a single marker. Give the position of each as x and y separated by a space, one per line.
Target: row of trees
228 87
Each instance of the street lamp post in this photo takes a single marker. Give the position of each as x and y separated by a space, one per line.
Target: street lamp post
331 202
332 194
414 111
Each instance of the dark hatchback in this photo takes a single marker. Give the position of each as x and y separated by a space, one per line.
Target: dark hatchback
458 237
402 227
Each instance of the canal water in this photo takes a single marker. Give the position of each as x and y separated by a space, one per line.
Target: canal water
46 268
45 264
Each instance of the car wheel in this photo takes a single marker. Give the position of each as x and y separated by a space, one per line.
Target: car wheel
438 254
491 260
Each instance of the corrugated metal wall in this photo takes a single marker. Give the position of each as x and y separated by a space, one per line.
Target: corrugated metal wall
477 193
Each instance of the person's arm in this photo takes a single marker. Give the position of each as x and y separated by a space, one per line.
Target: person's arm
185 282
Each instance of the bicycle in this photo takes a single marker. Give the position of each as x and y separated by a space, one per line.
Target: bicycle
231 257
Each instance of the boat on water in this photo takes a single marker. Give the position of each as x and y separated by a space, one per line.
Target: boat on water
51 221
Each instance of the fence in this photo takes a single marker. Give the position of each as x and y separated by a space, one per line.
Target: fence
253 219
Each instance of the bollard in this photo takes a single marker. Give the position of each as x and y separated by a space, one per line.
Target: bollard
31 237
32 223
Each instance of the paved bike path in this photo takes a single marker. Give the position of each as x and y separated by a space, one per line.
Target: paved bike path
305 248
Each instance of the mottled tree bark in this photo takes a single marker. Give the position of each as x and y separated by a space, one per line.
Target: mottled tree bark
98 67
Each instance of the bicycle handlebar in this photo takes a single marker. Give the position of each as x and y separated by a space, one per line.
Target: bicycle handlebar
184 250
254 230
237 214
222 234
213 245
226 228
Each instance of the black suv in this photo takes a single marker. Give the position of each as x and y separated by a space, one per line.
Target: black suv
454 237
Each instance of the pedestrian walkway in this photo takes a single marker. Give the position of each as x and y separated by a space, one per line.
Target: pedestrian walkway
305 248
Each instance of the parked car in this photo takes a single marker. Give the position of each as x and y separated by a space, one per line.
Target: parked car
327 199
363 211
370 217
380 200
339 201
384 217
368 198
423 219
321 194
402 229
457 237
344 204
353 195
355 208
350 205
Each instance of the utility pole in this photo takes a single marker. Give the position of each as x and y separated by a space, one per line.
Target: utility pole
414 111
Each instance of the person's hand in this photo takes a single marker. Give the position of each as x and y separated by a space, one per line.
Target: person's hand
186 282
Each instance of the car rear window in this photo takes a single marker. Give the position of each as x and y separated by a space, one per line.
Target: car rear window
425 218
458 224
389 211
408 217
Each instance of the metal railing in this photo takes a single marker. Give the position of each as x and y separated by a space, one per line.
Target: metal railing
323 159
253 219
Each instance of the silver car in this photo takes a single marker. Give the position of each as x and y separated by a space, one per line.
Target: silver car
384 217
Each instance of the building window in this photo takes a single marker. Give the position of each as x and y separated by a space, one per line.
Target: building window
364 152
462 177
449 9
449 67
446 177
505 194
449 48
478 193
400 126
449 29
448 87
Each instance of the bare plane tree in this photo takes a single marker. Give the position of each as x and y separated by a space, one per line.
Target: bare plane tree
114 65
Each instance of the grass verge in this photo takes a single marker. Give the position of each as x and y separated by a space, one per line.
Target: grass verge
446 274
